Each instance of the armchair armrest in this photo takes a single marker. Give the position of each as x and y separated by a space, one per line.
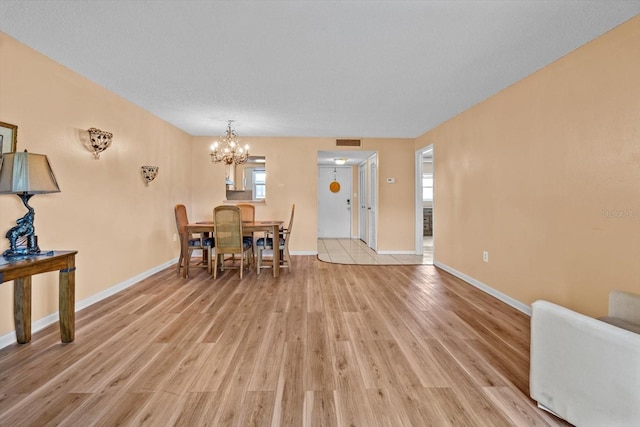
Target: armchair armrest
584 370
624 305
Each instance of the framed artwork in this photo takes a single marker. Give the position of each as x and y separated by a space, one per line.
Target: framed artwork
8 138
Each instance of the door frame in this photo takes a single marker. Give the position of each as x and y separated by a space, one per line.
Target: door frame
362 202
419 205
372 217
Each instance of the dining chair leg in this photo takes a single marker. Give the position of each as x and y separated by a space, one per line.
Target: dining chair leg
187 261
285 259
214 260
208 253
180 262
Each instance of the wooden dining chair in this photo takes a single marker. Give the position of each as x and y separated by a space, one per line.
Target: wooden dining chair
266 243
228 238
191 242
248 213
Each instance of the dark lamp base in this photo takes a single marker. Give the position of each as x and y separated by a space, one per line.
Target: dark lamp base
25 254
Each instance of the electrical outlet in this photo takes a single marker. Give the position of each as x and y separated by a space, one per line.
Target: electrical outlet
175 237
485 256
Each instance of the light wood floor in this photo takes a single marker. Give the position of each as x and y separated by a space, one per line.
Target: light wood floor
324 345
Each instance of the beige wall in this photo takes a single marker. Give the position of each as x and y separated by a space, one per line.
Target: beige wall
120 227
545 176
292 177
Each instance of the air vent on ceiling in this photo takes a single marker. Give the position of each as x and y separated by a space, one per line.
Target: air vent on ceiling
347 143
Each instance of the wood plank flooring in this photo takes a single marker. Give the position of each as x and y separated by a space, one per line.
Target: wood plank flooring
322 345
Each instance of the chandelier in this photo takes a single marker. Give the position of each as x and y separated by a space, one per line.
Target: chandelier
229 152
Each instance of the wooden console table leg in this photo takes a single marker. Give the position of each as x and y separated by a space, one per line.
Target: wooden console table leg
276 251
67 301
22 309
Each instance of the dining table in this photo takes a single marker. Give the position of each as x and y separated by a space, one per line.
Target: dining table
272 226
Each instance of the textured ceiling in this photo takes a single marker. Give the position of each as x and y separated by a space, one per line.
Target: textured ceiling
308 68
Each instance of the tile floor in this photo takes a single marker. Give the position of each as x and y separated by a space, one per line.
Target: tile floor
355 251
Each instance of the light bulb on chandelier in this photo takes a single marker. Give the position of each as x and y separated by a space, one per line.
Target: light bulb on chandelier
230 152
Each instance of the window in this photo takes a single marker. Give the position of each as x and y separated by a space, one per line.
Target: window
259 183
427 187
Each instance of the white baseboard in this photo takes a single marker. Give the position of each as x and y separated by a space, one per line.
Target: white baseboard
396 252
304 252
42 323
526 309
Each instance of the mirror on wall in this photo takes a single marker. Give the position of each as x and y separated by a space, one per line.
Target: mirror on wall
8 138
248 181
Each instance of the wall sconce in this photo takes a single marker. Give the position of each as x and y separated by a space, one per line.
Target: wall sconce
149 173
100 141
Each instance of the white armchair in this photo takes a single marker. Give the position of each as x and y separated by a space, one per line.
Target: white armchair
585 370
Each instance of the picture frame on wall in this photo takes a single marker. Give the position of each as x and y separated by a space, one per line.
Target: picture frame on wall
8 138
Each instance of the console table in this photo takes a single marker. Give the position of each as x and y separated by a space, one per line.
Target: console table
20 271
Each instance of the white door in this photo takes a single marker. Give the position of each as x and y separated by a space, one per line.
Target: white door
362 202
334 208
373 201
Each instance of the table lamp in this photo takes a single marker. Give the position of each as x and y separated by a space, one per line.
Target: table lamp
25 174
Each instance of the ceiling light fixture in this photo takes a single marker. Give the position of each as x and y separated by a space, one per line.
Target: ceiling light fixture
340 161
230 152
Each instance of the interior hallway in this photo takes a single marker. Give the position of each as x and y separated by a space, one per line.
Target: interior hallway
355 251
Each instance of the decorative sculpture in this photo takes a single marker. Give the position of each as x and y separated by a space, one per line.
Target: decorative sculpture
22 238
